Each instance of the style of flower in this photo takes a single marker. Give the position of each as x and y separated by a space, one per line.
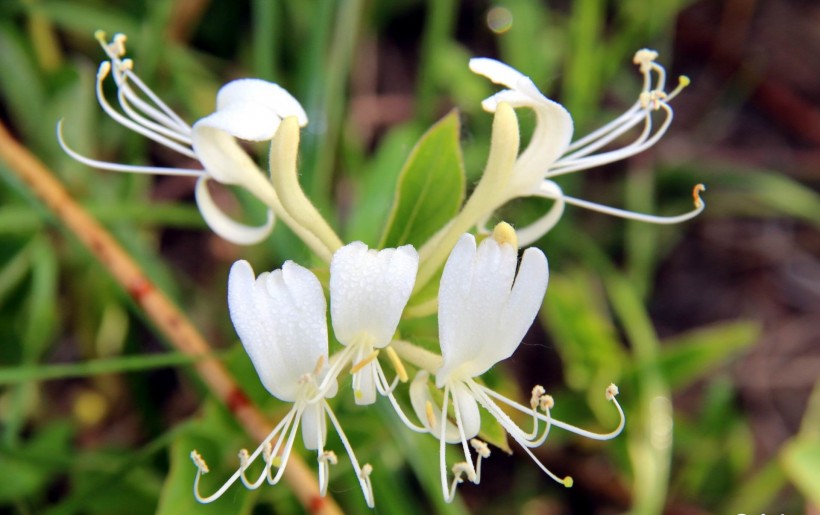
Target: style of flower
551 153
247 109
280 319
485 309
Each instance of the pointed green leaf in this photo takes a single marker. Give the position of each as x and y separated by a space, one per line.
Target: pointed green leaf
430 188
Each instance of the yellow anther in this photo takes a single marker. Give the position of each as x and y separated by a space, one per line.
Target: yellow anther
118 44
644 98
398 366
546 402
568 482
104 70
696 191
100 36
320 363
126 64
481 448
199 462
611 392
367 469
504 233
276 461
431 419
684 81
361 364
644 58
463 468
329 457
535 398
243 458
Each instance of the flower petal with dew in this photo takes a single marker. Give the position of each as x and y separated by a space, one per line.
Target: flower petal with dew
551 153
485 309
280 318
368 292
248 109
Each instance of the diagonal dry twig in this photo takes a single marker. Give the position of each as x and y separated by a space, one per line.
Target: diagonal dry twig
169 319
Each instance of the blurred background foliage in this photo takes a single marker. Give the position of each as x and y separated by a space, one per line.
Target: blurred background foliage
709 328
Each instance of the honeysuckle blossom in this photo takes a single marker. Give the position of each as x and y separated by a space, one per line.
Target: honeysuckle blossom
485 309
247 109
280 318
368 292
551 153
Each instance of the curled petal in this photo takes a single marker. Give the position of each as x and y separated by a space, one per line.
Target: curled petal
263 94
496 71
223 225
547 189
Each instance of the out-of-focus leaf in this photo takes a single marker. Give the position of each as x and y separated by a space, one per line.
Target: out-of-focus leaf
800 458
29 468
430 188
574 313
84 19
757 493
689 357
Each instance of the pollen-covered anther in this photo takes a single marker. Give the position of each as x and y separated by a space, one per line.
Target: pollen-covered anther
644 58
503 233
244 458
481 448
328 457
537 392
431 419
463 468
199 462
367 469
656 98
267 451
546 402
118 44
611 392
363 363
696 191
568 481
126 64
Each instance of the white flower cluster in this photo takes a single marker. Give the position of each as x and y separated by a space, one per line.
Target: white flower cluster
486 300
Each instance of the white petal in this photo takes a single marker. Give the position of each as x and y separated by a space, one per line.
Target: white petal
369 290
262 93
220 154
247 121
419 397
468 409
280 319
223 225
512 97
314 426
496 71
300 310
483 315
547 189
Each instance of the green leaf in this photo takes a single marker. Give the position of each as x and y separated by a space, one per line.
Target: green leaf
430 188
800 459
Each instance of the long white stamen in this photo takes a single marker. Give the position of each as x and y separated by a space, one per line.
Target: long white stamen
641 217
117 167
594 135
172 133
448 497
281 426
298 408
362 473
105 68
615 132
399 411
469 460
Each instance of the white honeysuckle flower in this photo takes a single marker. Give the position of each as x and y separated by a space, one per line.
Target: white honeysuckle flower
368 292
280 318
485 309
550 152
247 109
